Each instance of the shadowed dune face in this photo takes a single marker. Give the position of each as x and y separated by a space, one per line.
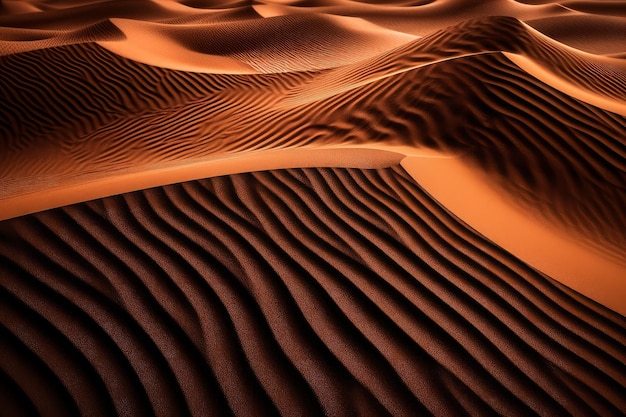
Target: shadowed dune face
453 91
336 287
298 292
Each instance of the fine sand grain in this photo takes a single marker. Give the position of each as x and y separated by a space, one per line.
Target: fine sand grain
295 292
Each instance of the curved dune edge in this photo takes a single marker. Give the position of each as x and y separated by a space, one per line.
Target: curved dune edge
462 190
603 34
177 47
213 241
422 19
85 188
468 195
179 57
544 75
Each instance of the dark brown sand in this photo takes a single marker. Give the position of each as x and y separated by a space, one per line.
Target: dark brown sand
343 285
294 292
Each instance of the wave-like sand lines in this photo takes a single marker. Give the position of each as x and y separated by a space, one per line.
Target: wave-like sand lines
454 90
285 263
290 292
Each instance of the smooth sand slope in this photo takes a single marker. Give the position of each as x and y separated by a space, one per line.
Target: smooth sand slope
299 292
448 161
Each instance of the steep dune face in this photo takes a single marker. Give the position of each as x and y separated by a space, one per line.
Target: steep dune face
74 15
453 91
277 44
299 292
187 39
339 286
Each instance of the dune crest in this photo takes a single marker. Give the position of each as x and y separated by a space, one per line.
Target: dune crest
277 44
544 74
385 100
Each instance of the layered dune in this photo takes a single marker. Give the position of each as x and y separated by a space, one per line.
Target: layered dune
327 207
456 90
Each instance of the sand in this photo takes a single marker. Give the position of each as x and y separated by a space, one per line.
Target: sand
326 207
297 292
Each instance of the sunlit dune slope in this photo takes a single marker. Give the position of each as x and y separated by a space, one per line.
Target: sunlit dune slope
277 44
602 34
19 40
300 292
453 91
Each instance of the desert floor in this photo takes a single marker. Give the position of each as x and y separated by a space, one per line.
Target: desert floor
312 208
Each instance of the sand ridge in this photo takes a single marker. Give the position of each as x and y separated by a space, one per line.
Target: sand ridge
276 44
384 100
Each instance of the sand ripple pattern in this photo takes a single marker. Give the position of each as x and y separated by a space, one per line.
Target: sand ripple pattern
453 90
303 292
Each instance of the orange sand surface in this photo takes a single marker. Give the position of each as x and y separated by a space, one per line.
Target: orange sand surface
312 207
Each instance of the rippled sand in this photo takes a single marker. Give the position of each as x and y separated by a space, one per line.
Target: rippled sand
312 208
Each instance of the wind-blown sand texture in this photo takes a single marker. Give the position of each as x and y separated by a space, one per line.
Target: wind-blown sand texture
299 292
326 207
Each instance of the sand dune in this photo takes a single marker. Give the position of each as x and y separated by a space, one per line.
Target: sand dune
15 41
276 44
300 292
72 15
568 168
195 275
579 191
421 17
603 34
565 158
